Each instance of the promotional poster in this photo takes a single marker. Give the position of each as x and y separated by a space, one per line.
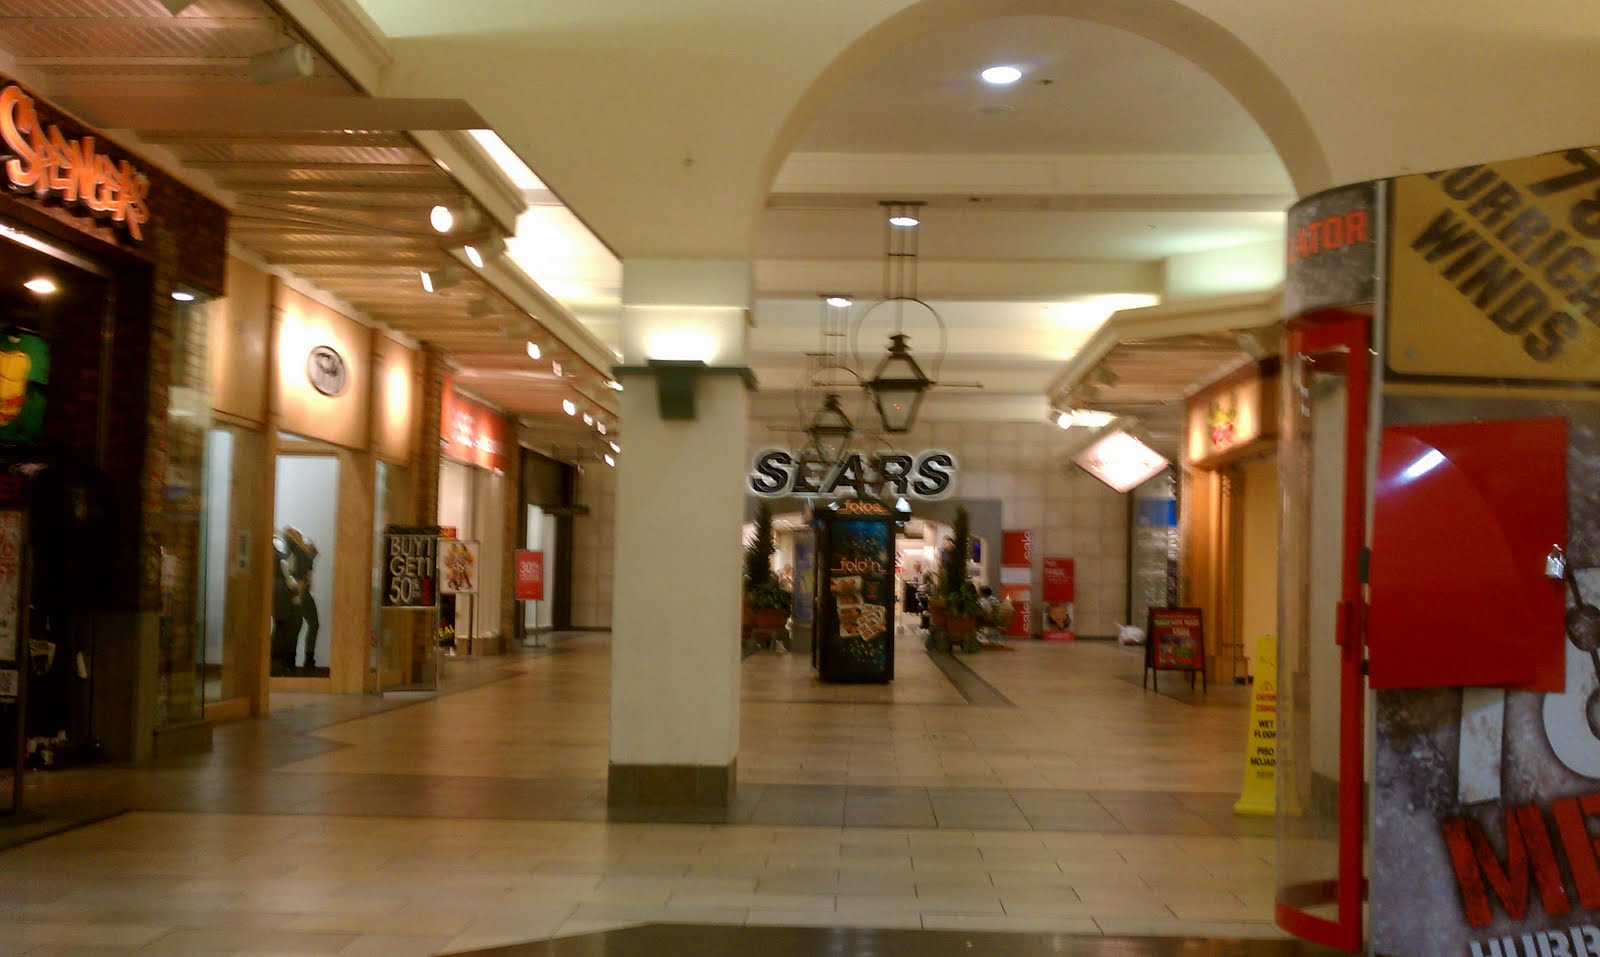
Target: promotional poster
1060 587
857 632
1484 839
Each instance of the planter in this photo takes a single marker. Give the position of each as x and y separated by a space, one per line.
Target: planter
747 619
936 615
959 626
768 619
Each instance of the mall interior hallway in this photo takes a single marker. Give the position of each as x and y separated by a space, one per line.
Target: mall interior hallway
1038 790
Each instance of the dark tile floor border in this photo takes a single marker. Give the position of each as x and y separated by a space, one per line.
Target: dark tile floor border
978 692
697 940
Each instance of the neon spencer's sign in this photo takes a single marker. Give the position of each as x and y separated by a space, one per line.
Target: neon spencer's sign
43 161
927 475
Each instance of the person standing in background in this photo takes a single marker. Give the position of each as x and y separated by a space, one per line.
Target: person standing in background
286 617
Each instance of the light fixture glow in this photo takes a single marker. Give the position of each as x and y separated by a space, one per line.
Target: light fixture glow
1001 75
588 419
613 385
533 349
555 368
611 461
43 285
1422 466
434 280
449 219
182 296
600 427
904 222
569 407
485 251
1121 461
615 448
838 302
1084 418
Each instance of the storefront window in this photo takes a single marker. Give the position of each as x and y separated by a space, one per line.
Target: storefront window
234 486
541 537
181 665
304 532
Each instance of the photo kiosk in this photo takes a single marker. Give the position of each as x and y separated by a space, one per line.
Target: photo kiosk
855 586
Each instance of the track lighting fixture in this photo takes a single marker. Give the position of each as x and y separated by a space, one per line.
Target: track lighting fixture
454 219
444 277
292 62
486 251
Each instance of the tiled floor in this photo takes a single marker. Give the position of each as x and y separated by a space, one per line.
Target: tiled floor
1032 791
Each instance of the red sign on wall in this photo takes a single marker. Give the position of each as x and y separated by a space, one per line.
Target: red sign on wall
530 575
471 432
1016 548
1016 579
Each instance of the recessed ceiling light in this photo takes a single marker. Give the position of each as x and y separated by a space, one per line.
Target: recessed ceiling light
43 285
600 427
182 296
1001 75
904 222
616 448
533 349
588 419
555 367
569 407
613 385
839 302
473 257
611 461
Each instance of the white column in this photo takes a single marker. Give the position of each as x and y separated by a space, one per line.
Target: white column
680 508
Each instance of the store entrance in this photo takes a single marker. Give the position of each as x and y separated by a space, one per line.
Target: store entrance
304 530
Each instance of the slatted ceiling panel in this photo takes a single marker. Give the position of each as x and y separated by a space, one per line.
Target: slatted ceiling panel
346 210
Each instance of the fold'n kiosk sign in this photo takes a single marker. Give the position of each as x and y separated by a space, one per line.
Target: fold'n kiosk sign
778 473
43 161
1494 271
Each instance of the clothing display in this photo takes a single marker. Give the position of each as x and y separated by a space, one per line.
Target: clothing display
24 371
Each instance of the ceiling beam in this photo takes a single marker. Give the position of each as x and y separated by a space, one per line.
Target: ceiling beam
360 138
281 112
998 281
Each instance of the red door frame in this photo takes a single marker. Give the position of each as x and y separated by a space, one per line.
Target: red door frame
1348 335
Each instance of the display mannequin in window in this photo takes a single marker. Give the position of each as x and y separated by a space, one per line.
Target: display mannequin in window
286 616
302 556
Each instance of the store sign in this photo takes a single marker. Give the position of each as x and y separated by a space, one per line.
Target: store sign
1332 254
530 575
1174 640
1016 579
473 433
1227 418
778 473
1496 272
325 370
410 564
41 160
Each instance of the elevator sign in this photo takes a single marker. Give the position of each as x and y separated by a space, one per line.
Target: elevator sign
410 567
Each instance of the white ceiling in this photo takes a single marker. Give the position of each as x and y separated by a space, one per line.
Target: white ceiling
1085 89
1050 203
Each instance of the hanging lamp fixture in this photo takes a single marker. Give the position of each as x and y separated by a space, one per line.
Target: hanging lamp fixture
899 384
830 430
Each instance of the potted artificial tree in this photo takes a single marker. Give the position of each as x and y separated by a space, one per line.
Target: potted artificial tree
766 602
961 607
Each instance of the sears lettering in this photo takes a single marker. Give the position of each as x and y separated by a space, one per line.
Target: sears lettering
777 473
771 474
934 476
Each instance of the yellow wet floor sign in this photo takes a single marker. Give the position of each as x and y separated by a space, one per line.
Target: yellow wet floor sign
1261 747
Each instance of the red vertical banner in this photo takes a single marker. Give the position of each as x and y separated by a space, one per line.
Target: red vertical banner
1016 580
530 575
1060 586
